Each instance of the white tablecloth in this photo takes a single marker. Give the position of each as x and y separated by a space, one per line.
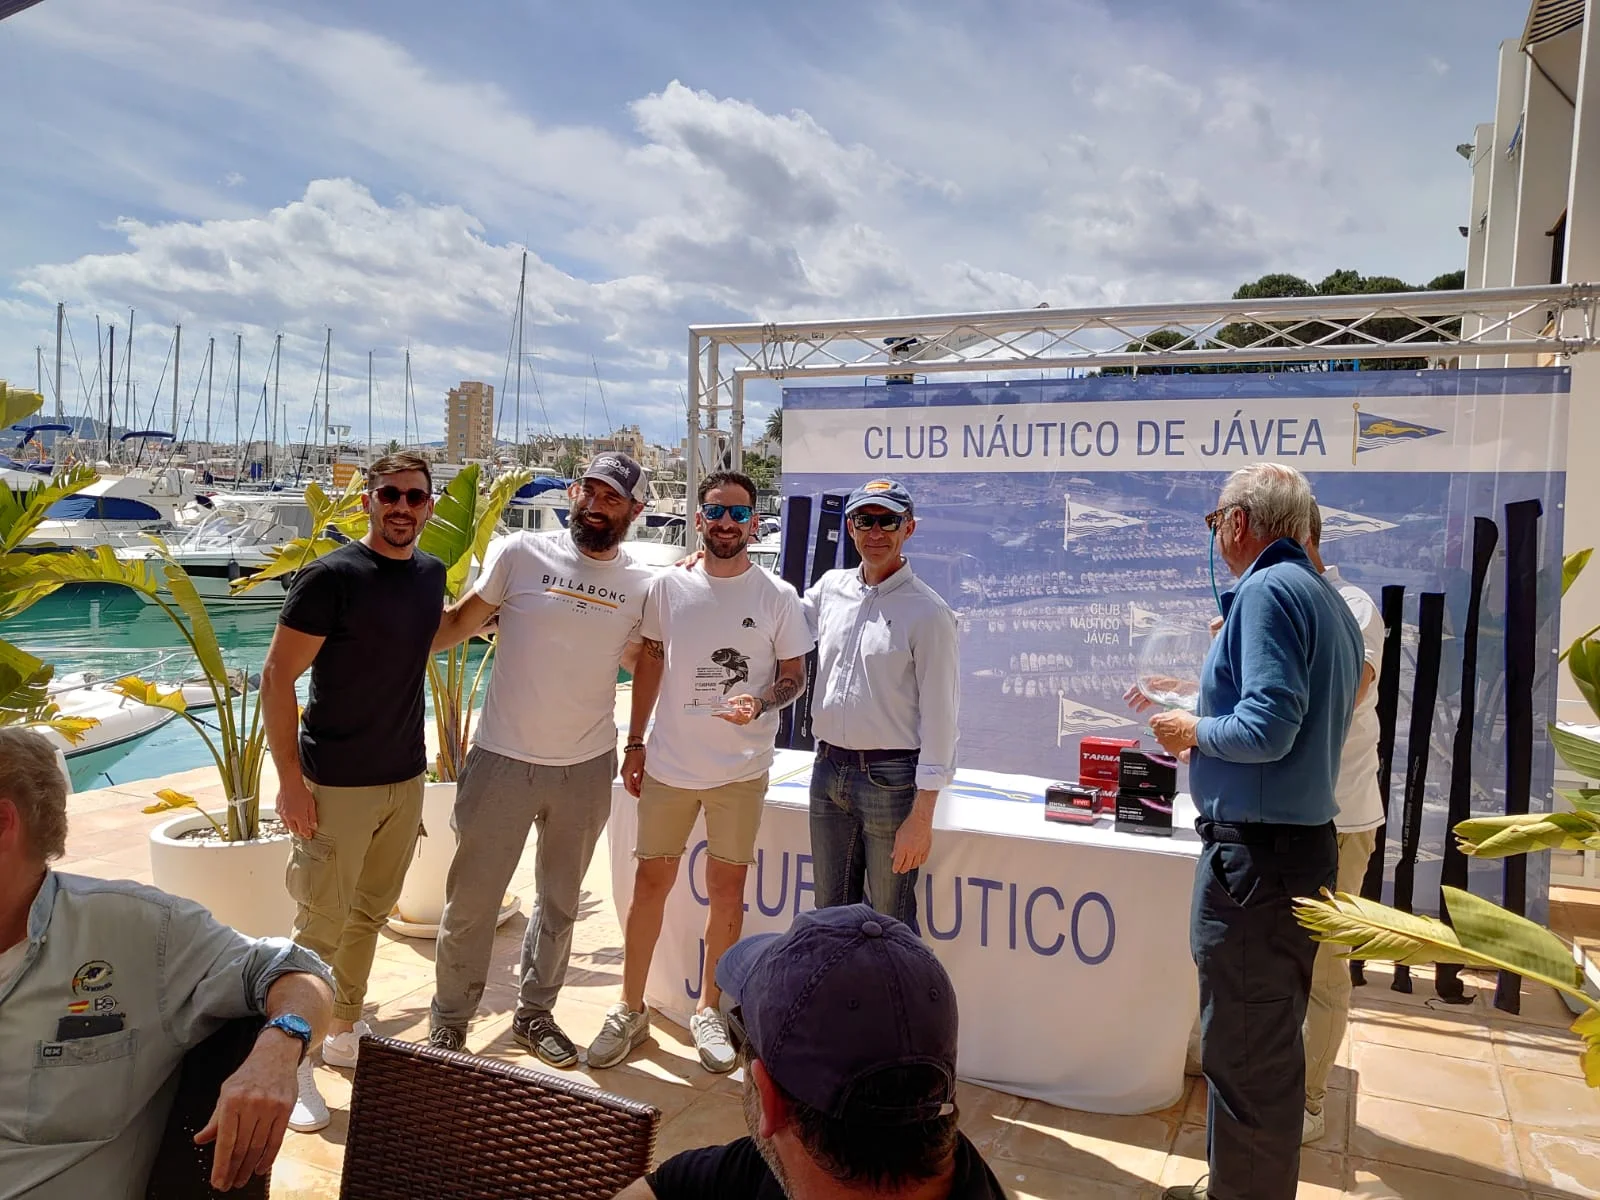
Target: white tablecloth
1068 945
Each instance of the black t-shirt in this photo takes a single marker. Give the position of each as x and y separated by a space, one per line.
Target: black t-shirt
363 724
738 1172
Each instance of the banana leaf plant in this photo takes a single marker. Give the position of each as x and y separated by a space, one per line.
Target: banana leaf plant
334 521
458 534
237 740
25 680
1484 934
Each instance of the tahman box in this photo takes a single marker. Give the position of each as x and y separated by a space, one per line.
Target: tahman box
1099 767
1146 786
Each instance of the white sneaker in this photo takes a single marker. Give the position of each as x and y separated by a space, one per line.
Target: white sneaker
710 1031
622 1031
342 1049
1313 1128
310 1110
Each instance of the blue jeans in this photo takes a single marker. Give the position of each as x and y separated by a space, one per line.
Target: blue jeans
856 809
1255 965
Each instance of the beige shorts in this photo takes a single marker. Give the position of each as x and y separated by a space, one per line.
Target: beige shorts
733 814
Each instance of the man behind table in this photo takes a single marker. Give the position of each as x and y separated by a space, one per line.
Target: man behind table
350 779
1276 695
545 750
884 713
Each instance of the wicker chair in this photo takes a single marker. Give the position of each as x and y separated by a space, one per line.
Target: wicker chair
182 1170
438 1125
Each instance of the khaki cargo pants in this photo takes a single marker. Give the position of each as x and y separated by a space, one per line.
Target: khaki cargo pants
345 878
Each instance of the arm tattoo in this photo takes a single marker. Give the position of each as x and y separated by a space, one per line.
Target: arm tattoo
787 687
654 648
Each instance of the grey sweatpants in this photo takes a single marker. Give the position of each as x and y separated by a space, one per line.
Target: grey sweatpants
497 800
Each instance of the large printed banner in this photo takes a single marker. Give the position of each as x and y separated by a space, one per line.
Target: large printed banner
1063 521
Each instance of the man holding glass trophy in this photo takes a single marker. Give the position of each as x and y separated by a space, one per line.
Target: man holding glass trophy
724 649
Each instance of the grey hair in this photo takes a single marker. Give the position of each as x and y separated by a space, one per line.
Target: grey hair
1314 538
1277 498
31 780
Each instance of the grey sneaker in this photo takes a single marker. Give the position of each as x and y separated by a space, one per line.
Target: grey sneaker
445 1038
1188 1191
1313 1127
710 1031
623 1030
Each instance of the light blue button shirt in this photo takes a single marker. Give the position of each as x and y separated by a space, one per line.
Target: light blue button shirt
888 669
83 1117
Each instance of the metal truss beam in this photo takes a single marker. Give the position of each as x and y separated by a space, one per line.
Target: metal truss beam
1549 320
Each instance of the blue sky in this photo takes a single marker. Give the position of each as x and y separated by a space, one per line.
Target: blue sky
379 166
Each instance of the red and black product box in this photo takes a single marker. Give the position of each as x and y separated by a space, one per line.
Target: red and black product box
1098 766
1146 786
1071 803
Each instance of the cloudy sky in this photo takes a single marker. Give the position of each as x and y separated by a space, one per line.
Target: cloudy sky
378 167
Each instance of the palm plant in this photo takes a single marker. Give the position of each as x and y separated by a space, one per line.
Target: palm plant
1484 934
458 534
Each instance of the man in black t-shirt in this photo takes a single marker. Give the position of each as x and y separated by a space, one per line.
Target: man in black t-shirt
351 771
846 1030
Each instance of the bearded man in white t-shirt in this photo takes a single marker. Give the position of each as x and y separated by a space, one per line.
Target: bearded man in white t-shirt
724 649
1360 815
545 750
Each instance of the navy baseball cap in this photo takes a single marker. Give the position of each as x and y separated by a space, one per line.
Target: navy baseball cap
845 995
888 493
630 480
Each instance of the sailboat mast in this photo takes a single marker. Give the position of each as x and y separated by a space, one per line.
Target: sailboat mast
177 358
111 381
327 397
277 410
38 369
211 369
61 312
129 413
522 293
405 406
238 380
369 408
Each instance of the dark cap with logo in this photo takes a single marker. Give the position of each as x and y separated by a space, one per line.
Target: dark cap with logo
836 1004
624 474
888 493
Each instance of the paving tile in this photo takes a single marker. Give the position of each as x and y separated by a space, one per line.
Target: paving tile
1426 1033
1366 1180
1543 1100
984 1112
1429 1079
1321 1173
710 1121
1115 1149
1532 1048
293 1179
1434 1139
1559 1164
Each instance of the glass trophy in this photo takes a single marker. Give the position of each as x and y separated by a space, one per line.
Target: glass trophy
1169 666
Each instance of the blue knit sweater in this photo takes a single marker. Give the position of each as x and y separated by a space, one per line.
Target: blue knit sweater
1276 695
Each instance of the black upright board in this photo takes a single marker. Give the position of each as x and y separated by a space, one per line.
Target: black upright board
1391 605
1424 694
1522 618
823 559
1453 873
792 566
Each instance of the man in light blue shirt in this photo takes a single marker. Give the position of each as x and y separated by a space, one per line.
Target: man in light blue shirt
104 985
887 701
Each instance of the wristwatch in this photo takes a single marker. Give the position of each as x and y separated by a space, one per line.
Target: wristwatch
296 1027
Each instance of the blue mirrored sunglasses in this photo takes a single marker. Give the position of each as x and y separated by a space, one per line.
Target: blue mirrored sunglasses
739 513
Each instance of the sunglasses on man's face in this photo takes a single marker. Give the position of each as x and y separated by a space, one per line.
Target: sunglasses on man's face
389 494
740 514
1215 518
888 522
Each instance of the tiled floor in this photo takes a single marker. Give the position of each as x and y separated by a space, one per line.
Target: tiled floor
1427 1100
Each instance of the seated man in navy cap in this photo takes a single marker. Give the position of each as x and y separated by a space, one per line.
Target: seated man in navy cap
846 1029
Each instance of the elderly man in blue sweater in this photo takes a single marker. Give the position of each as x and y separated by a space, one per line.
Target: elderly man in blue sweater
1276 696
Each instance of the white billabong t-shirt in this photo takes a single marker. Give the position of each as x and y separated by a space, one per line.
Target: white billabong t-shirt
723 638
1356 790
565 619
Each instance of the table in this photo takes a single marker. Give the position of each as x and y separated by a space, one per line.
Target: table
1068 945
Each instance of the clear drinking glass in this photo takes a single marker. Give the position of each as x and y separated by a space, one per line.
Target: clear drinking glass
1170 660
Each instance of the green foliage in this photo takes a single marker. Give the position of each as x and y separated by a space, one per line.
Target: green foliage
17 405
774 429
342 513
22 512
1572 566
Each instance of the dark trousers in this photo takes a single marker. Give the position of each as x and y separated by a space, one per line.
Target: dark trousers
1255 965
856 810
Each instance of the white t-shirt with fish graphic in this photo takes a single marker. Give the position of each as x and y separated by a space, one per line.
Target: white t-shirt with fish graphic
723 638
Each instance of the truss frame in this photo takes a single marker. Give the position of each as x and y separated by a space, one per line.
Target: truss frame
1483 327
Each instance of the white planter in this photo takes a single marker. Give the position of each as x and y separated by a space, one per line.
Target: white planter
242 883
420 908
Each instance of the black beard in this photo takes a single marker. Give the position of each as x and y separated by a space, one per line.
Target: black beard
719 550
403 542
588 537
